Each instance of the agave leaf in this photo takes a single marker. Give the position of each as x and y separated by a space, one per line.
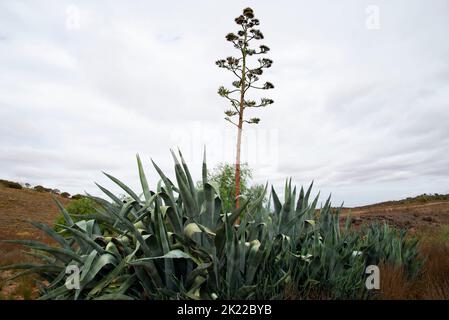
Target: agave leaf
84 238
255 257
204 168
55 293
87 265
53 234
109 194
163 240
190 182
97 264
169 188
276 202
300 204
174 219
220 232
64 212
131 228
200 270
114 274
114 296
191 209
143 180
123 186
48 259
59 253
173 254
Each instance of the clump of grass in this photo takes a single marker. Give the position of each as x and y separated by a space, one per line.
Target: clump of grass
25 288
394 283
433 282
19 289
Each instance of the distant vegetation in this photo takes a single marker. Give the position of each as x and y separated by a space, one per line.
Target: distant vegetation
10 184
38 188
41 189
77 209
423 198
223 176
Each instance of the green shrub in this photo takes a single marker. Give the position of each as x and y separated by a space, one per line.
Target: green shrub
81 206
65 195
176 242
78 196
10 184
40 188
76 209
224 177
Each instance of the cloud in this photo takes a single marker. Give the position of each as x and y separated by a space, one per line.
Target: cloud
363 113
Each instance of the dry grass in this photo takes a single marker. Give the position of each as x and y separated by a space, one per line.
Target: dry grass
433 283
17 206
394 284
19 289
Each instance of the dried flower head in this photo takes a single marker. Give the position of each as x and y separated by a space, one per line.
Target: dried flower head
236 84
257 71
268 85
240 20
248 12
231 37
254 120
264 49
230 113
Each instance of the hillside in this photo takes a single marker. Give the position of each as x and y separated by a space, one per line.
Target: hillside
410 213
19 205
16 207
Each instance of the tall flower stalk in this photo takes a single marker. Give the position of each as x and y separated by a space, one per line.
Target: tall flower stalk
247 77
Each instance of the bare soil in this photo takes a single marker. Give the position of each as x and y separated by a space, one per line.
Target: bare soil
413 217
17 206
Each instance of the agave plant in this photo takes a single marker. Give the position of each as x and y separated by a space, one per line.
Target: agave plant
176 242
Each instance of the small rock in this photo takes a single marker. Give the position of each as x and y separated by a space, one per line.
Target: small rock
356 220
427 218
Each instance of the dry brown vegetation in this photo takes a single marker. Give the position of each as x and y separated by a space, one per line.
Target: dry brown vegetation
434 280
429 221
16 207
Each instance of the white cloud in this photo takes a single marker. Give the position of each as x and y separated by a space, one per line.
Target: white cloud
362 112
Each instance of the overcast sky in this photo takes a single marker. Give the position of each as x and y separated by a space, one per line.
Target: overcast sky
361 98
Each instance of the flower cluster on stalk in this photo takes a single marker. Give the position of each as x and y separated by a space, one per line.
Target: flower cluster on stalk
247 76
